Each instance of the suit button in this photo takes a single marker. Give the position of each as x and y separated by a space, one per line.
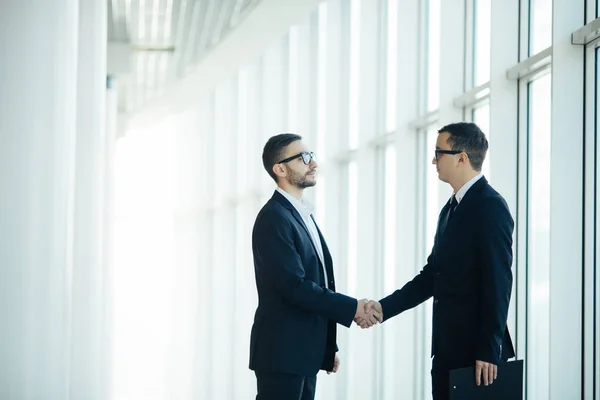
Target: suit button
436 301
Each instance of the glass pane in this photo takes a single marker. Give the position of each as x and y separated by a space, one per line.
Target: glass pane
481 116
320 202
433 55
354 72
432 212
538 347
540 25
389 220
293 75
392 64
322 82
352 227
482 41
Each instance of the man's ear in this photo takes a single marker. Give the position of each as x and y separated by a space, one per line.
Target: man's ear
464 159
279 170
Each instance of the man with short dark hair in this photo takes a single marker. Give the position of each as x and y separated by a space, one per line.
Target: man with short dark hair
469 270
294 330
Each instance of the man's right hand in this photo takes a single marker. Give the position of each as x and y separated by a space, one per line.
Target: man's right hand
368 313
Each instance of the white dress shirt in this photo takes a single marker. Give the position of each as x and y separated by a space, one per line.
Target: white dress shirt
463 190
305 210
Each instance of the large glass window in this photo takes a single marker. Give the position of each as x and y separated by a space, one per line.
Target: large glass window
293 76
392 65
389 221
540 25
322 81
354 87
433 55
352 227
482 31
538 256
481 116
433 191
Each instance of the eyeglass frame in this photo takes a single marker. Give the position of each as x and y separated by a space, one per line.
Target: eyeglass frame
310 154
451 152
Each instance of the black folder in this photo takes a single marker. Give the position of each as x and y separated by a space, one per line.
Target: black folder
508 385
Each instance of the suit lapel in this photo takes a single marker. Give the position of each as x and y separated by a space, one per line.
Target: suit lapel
326 255
279 197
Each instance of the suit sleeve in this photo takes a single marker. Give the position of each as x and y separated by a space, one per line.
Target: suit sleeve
411 294
279 264
495 252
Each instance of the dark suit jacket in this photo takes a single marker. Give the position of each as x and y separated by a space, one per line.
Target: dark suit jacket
469 276
294 328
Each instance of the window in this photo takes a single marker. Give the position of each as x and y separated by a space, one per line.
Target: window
354 72
352 227
481 117
293 76
392 65
538 262
482 31
433 55
322 81
540 25
389 221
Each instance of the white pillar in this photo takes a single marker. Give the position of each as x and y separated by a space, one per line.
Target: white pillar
110 138
37 128
566 204
87 350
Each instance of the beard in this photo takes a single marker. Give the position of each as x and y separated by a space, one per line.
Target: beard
301 181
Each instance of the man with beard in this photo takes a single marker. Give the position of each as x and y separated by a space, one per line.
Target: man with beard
294 330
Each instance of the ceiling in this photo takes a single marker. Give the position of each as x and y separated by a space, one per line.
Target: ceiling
167 38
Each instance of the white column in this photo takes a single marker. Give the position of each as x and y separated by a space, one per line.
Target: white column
37 127
566 212
401 351
205 351
111 127
87 350
503 125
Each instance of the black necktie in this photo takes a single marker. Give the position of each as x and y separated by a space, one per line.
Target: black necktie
446 218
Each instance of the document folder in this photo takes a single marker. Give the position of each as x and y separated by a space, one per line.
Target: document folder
508 385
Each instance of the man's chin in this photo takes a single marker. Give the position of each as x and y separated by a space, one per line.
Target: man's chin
307 183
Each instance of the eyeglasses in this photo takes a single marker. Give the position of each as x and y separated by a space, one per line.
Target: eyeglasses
307 157
439 151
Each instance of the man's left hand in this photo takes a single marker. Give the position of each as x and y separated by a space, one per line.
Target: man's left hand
336 365
489 372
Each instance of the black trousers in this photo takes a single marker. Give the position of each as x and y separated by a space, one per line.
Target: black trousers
278 386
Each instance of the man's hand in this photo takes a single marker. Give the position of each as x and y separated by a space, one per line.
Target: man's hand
336 365
489 371
372 313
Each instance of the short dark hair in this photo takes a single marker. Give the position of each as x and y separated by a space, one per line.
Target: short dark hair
274 150
467 137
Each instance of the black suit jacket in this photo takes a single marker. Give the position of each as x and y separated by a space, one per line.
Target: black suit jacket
294 328
469 276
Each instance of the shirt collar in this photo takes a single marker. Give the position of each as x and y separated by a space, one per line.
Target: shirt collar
463 190
304 208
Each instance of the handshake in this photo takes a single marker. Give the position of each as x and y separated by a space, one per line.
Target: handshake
368 313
